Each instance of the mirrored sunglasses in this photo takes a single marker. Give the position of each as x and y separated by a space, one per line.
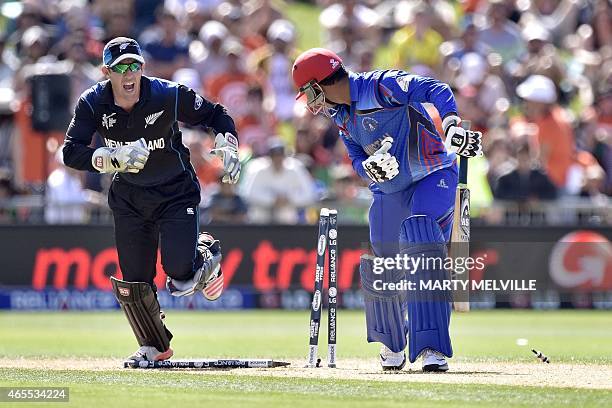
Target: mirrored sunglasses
123 68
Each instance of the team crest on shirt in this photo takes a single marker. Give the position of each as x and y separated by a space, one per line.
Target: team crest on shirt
152 118
369 124
198 102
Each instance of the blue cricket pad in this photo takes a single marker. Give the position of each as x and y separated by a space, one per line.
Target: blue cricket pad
385 309
428 311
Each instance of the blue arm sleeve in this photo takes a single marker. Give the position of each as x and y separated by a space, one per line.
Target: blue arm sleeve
356 154
400 88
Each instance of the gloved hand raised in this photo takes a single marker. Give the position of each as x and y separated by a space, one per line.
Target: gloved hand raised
466 143
382 166
226 147
129 158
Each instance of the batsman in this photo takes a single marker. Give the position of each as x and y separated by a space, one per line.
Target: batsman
393 142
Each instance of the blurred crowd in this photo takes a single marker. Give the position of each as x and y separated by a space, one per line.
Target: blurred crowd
535 76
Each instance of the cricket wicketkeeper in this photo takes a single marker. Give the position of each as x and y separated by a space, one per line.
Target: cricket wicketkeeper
154 195
393 142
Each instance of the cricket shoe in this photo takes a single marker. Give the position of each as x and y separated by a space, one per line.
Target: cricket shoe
391 361
214 286
150 353
434 361
208 278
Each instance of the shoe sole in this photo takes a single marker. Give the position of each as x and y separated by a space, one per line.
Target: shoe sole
165 355
214 288
394 368
434 368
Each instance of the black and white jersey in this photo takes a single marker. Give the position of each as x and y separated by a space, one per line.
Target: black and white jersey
155 117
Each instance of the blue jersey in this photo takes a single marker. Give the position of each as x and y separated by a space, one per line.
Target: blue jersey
390 103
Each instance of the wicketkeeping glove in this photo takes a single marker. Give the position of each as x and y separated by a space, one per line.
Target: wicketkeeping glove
465 143
129 158
382 166
226 147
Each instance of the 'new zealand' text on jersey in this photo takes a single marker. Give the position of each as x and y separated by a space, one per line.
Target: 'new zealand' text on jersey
389 103
155 117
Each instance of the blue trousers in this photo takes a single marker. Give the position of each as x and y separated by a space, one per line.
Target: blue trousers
428 321
433 195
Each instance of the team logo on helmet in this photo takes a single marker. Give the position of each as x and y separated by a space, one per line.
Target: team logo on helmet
334 63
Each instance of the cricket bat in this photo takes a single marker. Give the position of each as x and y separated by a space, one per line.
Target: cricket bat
460 237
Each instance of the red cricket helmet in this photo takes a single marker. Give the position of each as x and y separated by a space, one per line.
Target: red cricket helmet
313 66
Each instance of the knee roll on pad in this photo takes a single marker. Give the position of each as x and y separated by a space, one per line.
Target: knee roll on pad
385 309
141 308
428 311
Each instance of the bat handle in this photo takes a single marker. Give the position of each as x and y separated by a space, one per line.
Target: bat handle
463 170
463 161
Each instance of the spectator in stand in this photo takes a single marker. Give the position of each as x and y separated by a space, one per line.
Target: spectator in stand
277 187
194 15
554 137
593 185
210 60
31 16
8 136
417 43
230 88
559 17
501 34
6 71
526 182
82 73
165 45
361 20
541 57
119 23
8 214
144 12
596 135
602 23
66 199
225 206
231 14
261 14
499 157
273 62
483 97
258 123
35 44
467 43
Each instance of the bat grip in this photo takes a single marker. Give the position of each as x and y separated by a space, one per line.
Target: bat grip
463 170
463 161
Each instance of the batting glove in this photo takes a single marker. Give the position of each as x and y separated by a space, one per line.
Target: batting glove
466 143
129 158
226 147
382 166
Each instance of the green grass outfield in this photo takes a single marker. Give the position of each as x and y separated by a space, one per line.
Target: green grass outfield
567 337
